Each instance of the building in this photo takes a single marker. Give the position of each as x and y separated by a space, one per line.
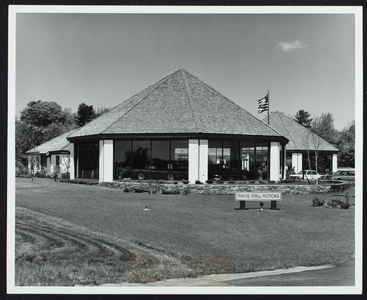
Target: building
177 128
53 153
300 151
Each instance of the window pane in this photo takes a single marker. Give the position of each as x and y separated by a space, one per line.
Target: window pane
87 164
122 159
160 155
248 158
141 155
179 157
215 153
43 162
261 165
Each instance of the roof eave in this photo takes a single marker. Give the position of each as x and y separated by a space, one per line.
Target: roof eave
114 136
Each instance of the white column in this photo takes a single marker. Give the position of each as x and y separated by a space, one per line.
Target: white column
107 161
203 160
72 161
49 164
297 161
101 160
284 161
274 161
335 162
53 163
193 160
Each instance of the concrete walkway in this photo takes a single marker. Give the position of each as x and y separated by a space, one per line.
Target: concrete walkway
341 275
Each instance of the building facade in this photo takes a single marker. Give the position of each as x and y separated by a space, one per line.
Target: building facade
304 147
177 128
54 153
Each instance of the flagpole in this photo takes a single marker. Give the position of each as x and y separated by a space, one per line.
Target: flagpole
268 107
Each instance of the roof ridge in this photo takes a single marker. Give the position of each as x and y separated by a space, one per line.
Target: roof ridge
163 81
188 96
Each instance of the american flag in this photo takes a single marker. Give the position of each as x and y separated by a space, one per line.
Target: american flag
263 104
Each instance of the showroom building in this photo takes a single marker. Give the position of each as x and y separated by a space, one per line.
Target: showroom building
177 128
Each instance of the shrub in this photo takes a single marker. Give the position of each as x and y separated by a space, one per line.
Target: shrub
65 175
317 202
185 181
210 181
138 189
198 182
186 192
56 172
170 191
41 174
153 189
126 189
21 170
337 203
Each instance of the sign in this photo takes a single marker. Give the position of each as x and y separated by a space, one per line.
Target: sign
258 196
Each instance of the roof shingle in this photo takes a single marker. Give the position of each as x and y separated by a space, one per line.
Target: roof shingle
300 137
57 144
178 103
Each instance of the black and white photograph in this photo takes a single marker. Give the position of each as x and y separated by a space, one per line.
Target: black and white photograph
184 150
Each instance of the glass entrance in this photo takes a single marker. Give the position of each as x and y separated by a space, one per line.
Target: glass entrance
254 159
223 160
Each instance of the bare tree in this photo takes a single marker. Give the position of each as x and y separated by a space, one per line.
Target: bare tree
34 162
312 142
306 144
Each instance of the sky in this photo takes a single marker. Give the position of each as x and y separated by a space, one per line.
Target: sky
306 61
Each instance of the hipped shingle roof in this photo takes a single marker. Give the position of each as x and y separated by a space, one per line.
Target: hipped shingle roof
300 137
178 103
59 143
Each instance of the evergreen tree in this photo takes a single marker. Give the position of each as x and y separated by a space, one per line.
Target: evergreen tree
303 118
85 114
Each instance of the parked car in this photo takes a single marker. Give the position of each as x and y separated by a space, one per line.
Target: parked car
310 174
343 175
158 174
222 171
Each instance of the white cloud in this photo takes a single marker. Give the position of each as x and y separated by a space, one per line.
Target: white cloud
289 46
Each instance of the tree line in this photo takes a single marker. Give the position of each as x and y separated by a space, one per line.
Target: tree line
41 121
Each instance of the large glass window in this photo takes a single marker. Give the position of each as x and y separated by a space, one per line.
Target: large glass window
151 159
247 155
122 159
180 157
262 155
141 155
43 162
87 160
223 159
255 156
161 155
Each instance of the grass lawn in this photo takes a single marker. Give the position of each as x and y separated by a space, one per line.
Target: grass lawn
179 235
